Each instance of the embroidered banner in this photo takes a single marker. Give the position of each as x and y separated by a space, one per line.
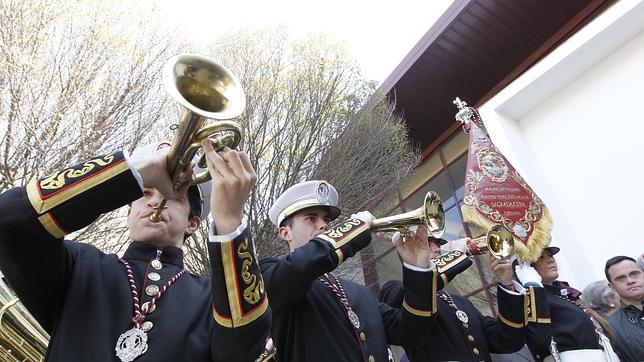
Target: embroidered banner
495 193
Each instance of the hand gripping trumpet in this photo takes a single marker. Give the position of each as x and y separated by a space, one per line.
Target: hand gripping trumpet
498 241
204 90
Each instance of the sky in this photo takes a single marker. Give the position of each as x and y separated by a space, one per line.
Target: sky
379 34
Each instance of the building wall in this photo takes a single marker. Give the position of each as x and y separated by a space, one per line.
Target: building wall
573 128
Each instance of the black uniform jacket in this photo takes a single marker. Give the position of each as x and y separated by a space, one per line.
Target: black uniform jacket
553 317
452 340
628 331
82 297
309 323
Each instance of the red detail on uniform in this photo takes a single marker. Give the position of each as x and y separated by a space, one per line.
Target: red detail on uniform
56 222
89 175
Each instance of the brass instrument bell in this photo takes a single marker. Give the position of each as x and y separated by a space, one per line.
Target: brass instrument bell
431 214
498 241
204 90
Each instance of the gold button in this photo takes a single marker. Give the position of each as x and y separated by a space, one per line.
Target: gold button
146 326
476 351
152 290
470 338
465 325
157 264
154 276
363 337
372 359
146 306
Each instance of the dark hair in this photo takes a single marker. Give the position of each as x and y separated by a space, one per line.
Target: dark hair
194 198
287 222
614 260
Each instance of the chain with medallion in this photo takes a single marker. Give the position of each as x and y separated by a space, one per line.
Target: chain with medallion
335 286
134 342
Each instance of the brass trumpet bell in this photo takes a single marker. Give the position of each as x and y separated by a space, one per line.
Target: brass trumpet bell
498 241
204 90
431 214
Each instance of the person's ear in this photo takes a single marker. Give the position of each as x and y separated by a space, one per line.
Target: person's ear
285 233
195 221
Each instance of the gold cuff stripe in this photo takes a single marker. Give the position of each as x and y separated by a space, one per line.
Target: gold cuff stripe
340 255
246 319
445 280
338 243
544 320
43 204
230 275
414 311
531 306
434 290
220 319
510 323
52 227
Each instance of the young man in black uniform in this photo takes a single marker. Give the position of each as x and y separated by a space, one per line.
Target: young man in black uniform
460 332
561 327
319 317
144 306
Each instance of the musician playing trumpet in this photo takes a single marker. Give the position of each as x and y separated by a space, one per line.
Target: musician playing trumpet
460 332
318 316
143 306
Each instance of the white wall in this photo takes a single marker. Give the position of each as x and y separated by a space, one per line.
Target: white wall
573 126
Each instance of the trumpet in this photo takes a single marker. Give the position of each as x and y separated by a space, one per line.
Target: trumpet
498 241
204 90
431 214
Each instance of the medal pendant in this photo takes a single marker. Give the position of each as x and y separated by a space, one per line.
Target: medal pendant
462 316
131 344
353 318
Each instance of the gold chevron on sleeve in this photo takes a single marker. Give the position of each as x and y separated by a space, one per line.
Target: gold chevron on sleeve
44 202
237 315
445 262
343 233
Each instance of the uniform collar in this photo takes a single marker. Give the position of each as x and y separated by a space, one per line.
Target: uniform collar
145 251
562 289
